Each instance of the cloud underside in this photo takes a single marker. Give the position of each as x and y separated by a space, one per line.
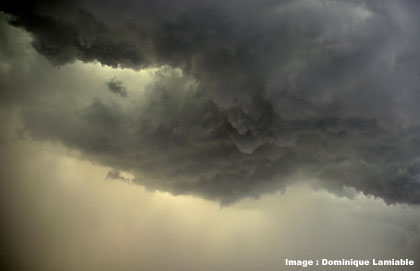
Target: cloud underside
270 92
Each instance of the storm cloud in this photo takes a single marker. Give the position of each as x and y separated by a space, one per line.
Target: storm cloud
248 96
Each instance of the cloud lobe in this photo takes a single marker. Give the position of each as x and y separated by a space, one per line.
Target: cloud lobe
116 86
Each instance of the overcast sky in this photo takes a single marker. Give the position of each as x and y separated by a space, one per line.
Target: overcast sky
209 135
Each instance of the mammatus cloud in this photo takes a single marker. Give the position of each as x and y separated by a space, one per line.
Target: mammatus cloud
269 92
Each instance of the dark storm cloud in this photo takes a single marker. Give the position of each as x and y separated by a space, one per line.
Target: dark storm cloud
116 86
285 90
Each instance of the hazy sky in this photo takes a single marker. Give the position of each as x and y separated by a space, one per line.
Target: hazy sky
208 135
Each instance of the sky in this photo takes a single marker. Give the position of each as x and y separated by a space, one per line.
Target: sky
208 135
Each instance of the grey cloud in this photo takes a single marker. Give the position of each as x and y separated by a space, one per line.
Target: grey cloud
117 87
321 89
116 175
